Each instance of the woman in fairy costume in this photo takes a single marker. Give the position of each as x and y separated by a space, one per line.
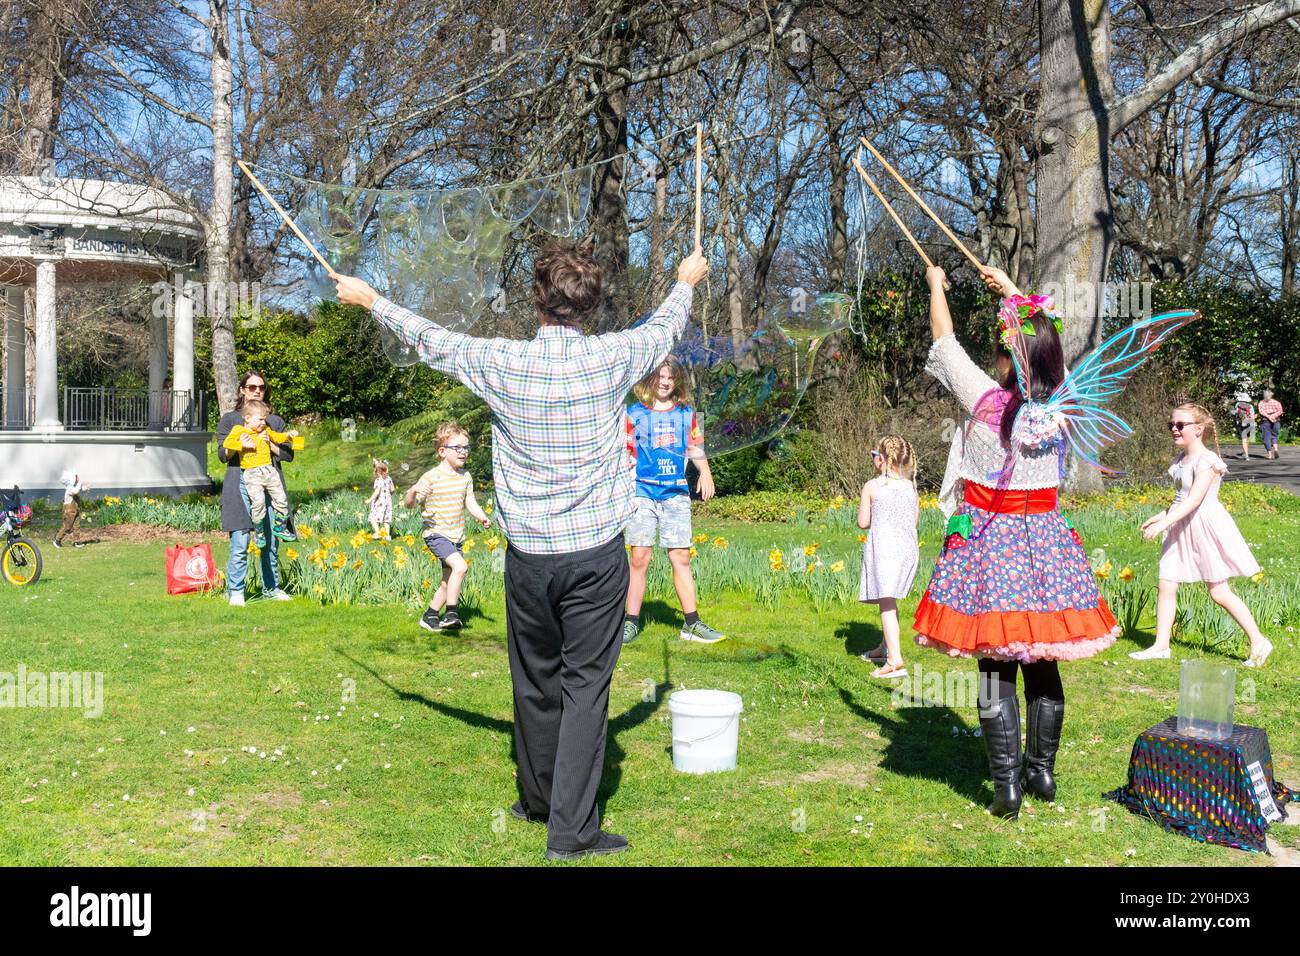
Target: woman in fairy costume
1013 586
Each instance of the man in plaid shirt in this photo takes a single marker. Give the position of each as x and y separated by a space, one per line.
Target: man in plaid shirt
564 494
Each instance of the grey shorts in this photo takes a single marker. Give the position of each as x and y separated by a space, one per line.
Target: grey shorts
671 518
440 547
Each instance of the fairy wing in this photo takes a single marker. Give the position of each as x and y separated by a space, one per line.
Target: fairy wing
1080 400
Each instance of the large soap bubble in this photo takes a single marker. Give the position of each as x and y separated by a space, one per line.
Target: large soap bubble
746 387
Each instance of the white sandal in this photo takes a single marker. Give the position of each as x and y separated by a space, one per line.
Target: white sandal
890 671
1258 660
1150 654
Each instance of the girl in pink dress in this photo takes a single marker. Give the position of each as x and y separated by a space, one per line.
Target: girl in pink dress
1201 542
889 507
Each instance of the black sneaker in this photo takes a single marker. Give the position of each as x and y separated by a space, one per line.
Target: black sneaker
520 812
449 622
429 620
606 843
56 543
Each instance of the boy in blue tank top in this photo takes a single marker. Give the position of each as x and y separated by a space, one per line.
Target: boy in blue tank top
662 435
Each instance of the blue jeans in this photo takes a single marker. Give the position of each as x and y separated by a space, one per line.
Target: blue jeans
237 565
1270 430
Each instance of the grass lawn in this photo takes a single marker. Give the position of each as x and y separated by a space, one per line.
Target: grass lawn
375 742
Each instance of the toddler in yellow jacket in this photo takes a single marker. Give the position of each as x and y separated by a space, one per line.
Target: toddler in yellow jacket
253 442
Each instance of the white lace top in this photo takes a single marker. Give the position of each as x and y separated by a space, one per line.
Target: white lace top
977 450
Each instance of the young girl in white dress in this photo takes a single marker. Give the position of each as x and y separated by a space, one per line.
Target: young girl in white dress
381 502
1201 542
890 508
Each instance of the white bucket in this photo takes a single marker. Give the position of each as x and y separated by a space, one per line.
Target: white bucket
706 726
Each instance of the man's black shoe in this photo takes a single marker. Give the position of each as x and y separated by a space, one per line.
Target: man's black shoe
429 620
449 622
520 812
605 843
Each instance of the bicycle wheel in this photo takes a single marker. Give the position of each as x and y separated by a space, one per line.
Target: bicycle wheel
21 562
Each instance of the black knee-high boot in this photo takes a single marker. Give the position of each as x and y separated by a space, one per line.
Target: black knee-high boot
1043 722
1000 727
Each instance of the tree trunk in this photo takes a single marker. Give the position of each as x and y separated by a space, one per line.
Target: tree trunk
1074 222
659 233
609 213
224 373
838 247
44 94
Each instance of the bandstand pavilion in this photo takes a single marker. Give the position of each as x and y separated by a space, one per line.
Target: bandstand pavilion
56 232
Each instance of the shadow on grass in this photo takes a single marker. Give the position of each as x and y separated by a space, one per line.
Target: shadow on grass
612 774
920 742
859 637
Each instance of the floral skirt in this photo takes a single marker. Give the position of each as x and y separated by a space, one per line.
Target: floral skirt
1016 585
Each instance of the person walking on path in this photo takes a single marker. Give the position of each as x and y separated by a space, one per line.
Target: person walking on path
1270 410
1243 420
236 509
564 495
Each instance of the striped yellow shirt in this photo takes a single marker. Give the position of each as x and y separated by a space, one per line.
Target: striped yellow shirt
443 495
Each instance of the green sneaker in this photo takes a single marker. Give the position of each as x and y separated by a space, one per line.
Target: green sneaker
630 631
701 633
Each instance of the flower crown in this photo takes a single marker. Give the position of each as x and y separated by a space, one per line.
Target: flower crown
1017 310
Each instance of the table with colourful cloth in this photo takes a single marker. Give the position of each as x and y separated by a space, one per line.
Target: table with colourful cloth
1216 791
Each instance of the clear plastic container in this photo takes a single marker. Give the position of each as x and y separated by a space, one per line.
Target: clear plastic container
1206 695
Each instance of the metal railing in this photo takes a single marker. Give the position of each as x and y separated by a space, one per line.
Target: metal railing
122 409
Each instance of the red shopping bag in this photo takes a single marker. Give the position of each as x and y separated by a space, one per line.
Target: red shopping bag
191 569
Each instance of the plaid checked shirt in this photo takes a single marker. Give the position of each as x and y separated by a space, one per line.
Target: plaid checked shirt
558 404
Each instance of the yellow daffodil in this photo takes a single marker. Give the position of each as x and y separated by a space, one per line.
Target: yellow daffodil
469 544
377 555
694 552
1257 576
340 560
810 550
776 559
720 542
862 538
410 540
426 584
291 554
357 565
701 538
305 533
356 488
492 543
317 589
837 567
1126 574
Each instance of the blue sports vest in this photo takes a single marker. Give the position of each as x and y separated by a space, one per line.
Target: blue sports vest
660 441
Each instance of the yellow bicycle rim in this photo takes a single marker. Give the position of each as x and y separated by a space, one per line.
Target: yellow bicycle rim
20 563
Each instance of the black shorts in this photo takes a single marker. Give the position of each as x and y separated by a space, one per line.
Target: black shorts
441 547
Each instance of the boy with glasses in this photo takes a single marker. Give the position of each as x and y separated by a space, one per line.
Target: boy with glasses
445 492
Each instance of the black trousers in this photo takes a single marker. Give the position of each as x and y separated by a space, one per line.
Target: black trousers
564 618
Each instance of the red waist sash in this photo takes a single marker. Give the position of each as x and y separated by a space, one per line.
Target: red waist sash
1033 501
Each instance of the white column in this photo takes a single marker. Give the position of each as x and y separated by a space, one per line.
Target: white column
157 368
15 398
47 352
183 348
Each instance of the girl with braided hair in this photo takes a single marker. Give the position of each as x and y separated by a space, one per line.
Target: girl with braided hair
890 509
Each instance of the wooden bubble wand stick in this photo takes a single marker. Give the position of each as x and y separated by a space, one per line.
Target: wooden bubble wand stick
921 202
890 209
285 216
